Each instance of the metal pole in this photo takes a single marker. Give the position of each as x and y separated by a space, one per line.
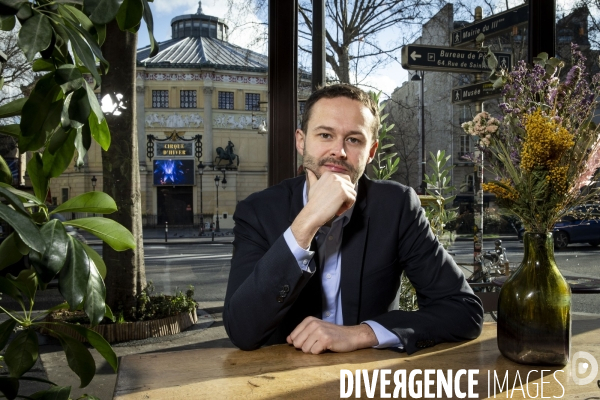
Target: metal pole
166 231
201 212
542 28
318 44
423 152
218 227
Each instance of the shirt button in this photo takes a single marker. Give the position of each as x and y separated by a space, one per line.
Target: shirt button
328 276
330 237
305 262
327 314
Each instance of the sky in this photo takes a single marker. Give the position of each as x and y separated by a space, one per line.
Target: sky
385 79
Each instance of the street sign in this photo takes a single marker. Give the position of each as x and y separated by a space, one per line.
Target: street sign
449 59
493 25
476 92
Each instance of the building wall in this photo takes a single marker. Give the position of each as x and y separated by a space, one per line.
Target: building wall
238 126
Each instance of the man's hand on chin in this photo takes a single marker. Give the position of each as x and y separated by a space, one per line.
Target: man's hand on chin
316 336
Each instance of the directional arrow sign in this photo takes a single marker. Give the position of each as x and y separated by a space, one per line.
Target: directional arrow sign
476 92
490 26
448 59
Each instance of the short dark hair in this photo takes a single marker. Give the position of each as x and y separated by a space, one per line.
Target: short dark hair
341 90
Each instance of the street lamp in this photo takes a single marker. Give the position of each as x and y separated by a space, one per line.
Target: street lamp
418 76
94 180
201 172
224 178
217 180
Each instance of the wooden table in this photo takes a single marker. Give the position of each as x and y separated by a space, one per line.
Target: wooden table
280 372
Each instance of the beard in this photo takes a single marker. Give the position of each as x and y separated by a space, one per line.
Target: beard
311 163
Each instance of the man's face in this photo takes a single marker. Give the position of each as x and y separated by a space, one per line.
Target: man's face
339 138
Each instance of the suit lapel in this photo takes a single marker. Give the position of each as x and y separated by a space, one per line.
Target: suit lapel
354 242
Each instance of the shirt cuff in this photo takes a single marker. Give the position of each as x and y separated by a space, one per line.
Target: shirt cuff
303 256
384 336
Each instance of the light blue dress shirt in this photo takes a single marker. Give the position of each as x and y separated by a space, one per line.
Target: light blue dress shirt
329 241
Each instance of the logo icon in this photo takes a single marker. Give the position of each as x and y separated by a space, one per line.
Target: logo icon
580 367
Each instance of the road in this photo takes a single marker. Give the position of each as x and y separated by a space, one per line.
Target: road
206 267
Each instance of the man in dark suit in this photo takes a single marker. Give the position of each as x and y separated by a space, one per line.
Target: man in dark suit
317 259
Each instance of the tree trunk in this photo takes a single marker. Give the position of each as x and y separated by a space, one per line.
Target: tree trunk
126 275
344 64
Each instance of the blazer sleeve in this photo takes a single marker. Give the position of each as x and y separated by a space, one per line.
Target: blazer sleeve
264 282
448 311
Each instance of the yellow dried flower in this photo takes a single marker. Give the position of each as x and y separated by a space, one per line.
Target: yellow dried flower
544 144
501 191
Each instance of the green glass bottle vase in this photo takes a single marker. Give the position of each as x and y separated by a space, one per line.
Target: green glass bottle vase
534 308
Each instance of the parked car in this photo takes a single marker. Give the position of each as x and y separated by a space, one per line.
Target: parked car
582 225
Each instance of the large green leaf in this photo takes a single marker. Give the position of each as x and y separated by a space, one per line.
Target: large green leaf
93 101
77 17
35 169
7 22
40 115
58 138
54 393
55 164
82 49
26 282
94 300
21 194
5 172
96 258
111 232
101 11
83 141
150 25
73 277
79 106
11 130
13 200
35 35
6 329
97 341
8 255
129 15
13 108
99 132
9 387
48 264
8 288
69 77
79 358
40 65
25 228
22 353
92 202
91 41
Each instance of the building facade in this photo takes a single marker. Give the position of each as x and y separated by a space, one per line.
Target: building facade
200 103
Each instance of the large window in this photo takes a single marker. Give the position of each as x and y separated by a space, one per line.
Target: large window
302 105
187 99
160 99
226 100
252 102
464 146
64 194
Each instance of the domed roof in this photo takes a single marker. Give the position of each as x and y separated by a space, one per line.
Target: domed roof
200 40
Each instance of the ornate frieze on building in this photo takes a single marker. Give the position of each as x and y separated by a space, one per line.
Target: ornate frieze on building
237 121
228 78
173 120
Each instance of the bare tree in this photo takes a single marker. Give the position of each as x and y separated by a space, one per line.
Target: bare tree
354 40
16 71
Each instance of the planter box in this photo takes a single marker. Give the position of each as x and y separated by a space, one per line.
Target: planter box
132 330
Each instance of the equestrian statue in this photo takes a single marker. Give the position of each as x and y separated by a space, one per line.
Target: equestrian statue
227 154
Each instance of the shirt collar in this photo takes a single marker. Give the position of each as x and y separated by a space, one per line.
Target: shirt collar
346 215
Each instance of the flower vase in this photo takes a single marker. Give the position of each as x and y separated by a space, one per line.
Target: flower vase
534 308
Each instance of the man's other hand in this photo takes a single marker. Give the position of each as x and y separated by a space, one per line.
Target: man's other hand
316 336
